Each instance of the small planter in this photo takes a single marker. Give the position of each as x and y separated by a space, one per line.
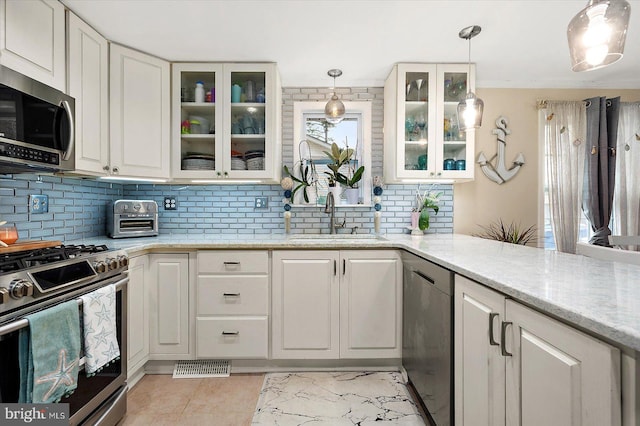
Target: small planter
352 195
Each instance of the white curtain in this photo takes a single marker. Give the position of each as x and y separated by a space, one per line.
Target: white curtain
565 134
626 196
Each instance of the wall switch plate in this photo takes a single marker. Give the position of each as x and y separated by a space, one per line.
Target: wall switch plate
170 203
261 203
38 204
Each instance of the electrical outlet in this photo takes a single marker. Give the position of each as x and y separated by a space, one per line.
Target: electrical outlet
38 204
170 203
261 203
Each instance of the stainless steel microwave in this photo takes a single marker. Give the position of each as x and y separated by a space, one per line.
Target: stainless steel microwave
36 126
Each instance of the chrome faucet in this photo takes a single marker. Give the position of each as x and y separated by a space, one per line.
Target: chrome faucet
330 208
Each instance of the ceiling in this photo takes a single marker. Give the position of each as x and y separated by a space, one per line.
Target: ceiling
522 44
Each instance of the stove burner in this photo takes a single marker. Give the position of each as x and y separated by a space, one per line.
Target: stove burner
11 262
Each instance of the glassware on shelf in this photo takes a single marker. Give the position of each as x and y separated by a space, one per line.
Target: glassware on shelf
421 123
409 125
419 83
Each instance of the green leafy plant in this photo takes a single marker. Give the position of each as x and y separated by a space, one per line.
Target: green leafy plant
424 202
341 157
305 179
513 233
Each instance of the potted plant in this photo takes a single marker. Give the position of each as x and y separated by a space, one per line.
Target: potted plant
342 157
305 181
427 200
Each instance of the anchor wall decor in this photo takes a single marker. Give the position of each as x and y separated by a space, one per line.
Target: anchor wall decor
498 172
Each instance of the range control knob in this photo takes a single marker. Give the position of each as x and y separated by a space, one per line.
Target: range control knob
112 263
20 288
4 295
123 260
100 266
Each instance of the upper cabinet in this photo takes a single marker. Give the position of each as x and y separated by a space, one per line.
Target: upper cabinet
139 114
422 140
226 122
32 40
88 71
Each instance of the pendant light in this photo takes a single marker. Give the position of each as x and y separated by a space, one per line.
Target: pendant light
597 34
470 108
334 109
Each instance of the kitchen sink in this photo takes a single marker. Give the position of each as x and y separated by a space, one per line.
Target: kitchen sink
335 237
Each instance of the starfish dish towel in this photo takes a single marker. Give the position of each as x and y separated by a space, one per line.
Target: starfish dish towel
49 351
99 319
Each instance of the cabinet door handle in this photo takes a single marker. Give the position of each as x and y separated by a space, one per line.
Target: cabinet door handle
344 266
503 334
492 341
424 277
230 333
335 268
231 294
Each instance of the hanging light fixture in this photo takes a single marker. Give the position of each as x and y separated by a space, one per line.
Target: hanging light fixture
597 34
470 108
334 109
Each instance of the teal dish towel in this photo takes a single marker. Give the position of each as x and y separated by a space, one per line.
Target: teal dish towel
49 354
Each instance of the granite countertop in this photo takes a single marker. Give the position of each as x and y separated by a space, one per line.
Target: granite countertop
599 296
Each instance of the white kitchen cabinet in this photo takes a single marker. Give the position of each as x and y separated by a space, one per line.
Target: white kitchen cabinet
169 305
32 40
305 298
479 366
139 114
370 304
336 304
88 72
532 369
137 315
235 133
232 308
422 140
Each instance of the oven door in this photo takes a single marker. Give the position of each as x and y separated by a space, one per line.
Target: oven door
94 394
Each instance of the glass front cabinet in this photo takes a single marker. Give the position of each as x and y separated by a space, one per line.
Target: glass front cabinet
226 122
422 140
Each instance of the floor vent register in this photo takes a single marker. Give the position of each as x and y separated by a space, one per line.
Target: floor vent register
201 368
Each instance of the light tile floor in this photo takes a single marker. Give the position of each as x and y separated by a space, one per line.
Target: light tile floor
159 400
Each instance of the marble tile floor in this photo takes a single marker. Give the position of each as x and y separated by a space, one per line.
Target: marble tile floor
275 399
336 399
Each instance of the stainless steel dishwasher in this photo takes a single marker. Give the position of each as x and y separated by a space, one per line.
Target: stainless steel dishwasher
427 352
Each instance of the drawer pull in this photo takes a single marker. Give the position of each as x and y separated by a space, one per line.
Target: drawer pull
231 294
230 333
231 263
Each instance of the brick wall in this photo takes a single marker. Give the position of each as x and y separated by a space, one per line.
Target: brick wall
78 206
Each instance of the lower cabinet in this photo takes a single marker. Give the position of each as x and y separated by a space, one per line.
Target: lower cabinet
514 365
169 305
137 314
232 304
336 304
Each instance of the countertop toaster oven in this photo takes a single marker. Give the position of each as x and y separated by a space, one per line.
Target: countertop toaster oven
132 218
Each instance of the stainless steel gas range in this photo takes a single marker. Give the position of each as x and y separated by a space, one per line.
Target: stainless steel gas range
37 279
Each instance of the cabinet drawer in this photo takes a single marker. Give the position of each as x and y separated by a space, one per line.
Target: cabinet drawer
233 262
233 295
232 337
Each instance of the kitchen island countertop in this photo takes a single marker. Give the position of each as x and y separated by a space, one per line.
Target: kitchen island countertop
599 296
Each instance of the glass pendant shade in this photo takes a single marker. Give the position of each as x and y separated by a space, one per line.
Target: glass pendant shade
597 34
470 112
471 107
334 110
